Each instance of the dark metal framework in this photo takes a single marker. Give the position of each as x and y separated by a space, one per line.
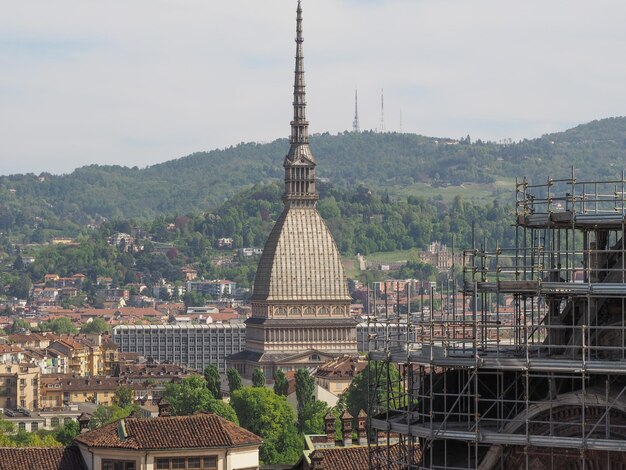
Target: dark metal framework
529 370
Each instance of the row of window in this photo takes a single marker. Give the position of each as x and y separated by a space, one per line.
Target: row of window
170 332
33 426
178 345
195 463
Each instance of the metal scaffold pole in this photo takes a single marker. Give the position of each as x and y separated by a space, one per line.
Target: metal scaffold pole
527 370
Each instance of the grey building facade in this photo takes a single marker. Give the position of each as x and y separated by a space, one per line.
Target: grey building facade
195 346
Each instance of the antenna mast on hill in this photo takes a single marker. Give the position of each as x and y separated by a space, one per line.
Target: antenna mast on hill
355 124
382 111
400 121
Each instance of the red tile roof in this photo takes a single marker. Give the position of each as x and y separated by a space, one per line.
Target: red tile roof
202 430
223 316
357 458
8 348
48 458
343 367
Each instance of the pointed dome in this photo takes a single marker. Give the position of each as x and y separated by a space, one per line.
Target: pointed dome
300 261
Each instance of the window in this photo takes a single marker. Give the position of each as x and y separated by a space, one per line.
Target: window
162 464
21 426
194 462
178 463
118 465
34 427
189 463
54 422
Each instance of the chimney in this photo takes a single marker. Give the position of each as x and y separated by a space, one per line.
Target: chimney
317 461
361 427
121 430
346 423
329 428
164 408
83 422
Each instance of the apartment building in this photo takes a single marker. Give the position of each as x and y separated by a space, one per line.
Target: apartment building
195 346
77 354
19 386
58 390
217 288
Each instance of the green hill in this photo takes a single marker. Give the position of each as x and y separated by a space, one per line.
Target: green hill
401 164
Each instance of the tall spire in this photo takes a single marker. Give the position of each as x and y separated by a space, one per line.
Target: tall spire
355 124
299 163
299 125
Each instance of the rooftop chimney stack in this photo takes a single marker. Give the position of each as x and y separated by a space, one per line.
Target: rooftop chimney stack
346 422
329 428
361 427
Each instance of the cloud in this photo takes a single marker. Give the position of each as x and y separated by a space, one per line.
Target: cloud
140 82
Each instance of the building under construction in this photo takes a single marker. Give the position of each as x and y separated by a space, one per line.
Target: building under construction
529 369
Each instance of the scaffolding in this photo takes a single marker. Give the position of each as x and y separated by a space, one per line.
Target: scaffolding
528 370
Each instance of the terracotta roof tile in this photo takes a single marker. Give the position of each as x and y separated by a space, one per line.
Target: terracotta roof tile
356 458
346 366
202 430
48 458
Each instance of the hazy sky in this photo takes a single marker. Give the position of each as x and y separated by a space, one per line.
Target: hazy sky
137 82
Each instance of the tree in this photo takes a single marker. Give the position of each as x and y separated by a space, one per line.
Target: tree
362 387
29 439
305 387
6 427
124 396
68 432
188 396
59 326
281 385
192 395
21 287
193 299
106 414
268 415
96 326
311 417
18 264
310 413
213 380
258 378
19 326
328 208
234 380
224 410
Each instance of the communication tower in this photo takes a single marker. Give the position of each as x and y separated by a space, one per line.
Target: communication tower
355 124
